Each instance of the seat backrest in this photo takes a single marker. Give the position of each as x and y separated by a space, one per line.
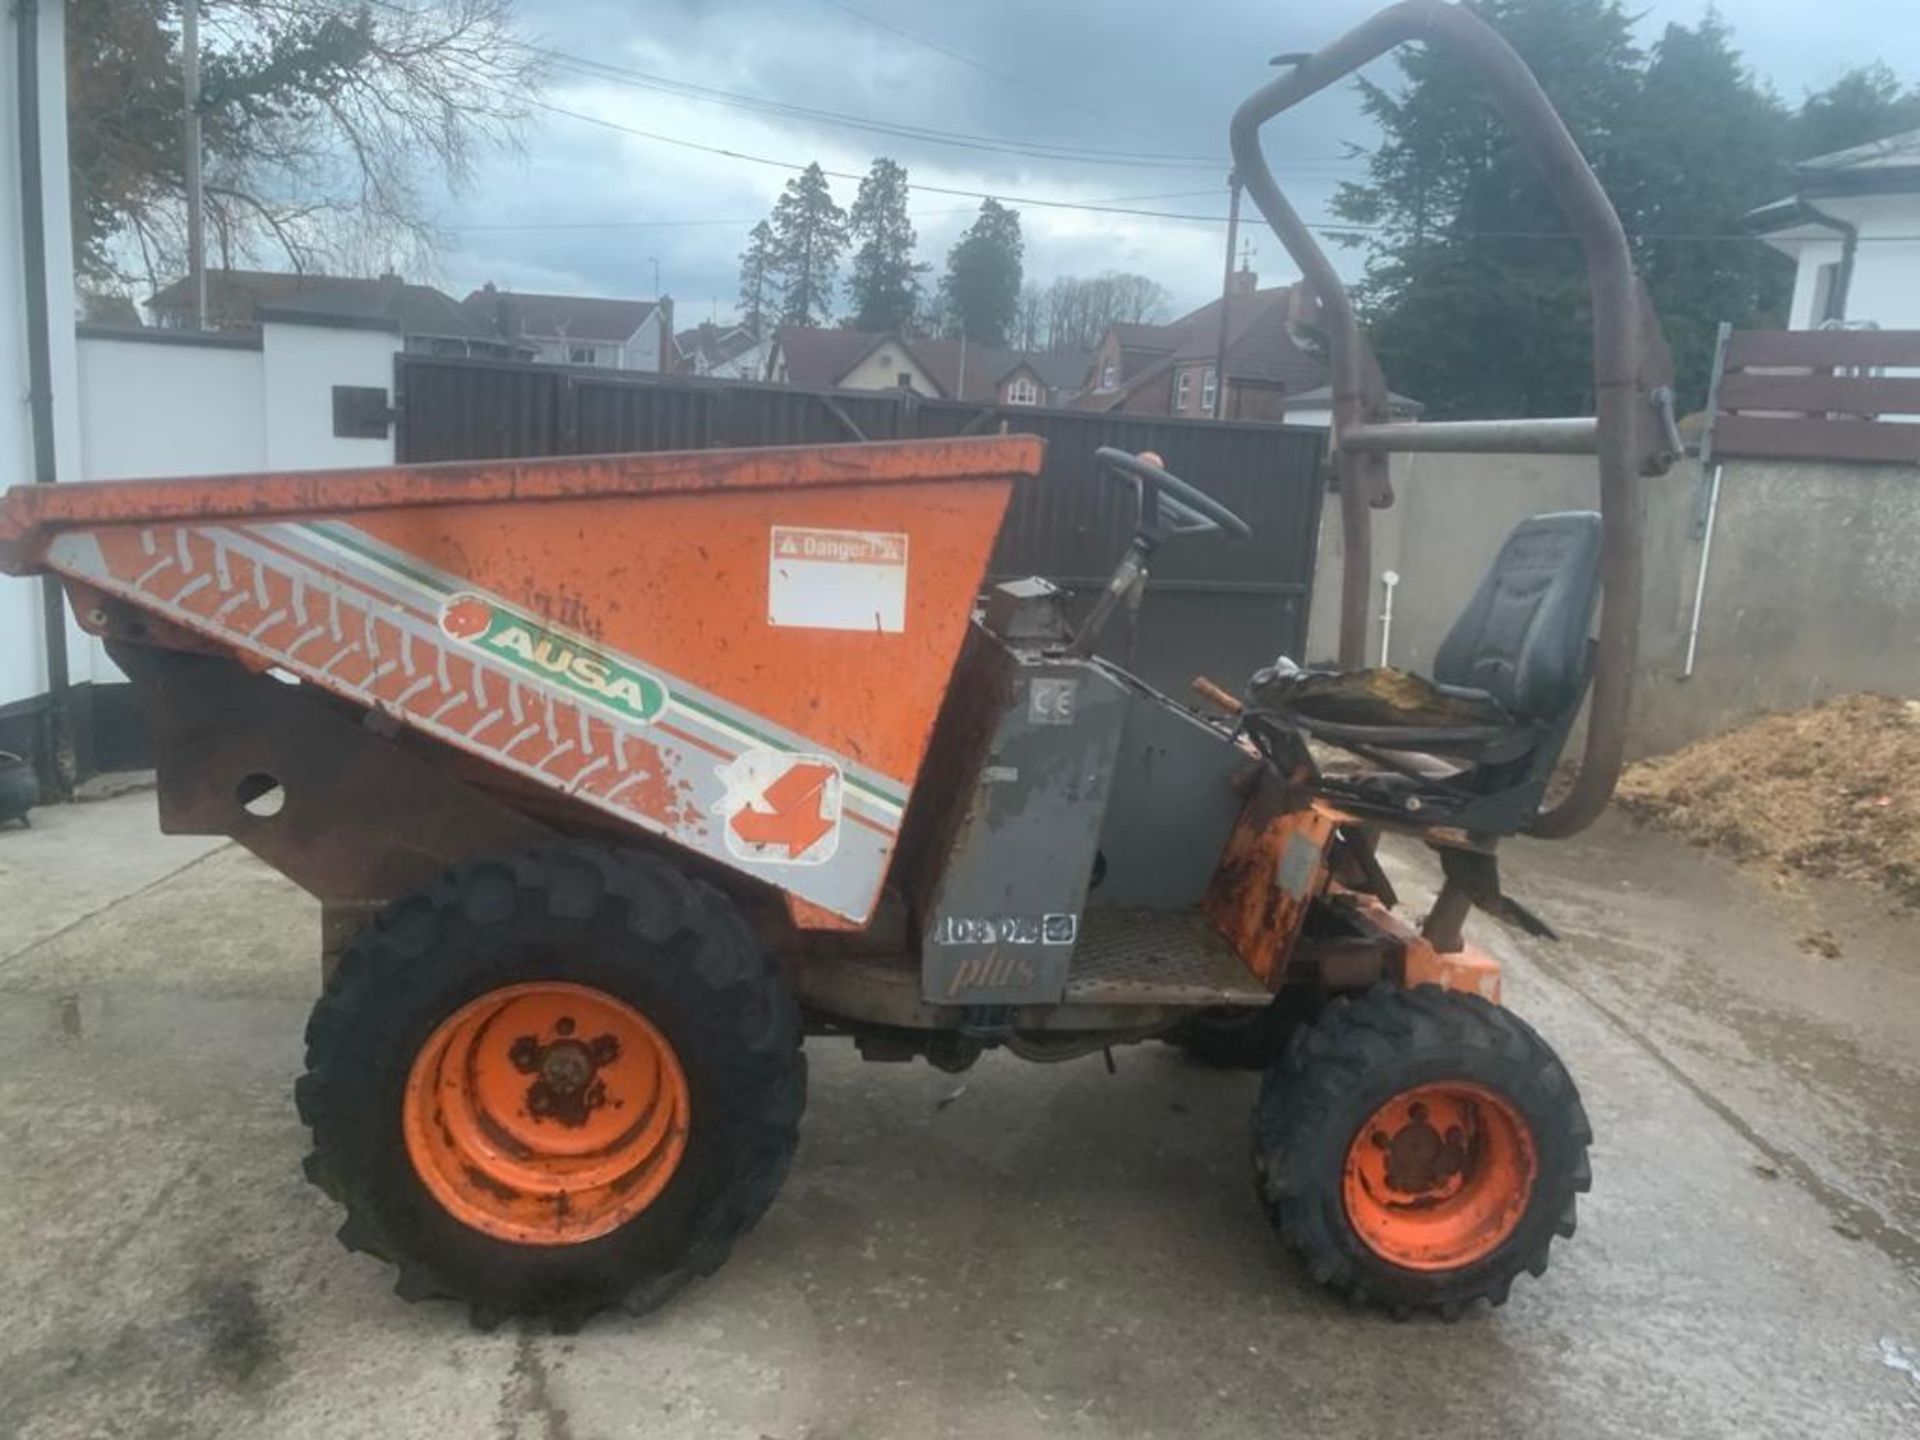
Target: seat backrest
1523 636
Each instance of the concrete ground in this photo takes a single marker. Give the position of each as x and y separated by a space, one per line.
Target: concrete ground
1020 1251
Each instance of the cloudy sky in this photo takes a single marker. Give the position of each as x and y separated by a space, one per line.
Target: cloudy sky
1121 102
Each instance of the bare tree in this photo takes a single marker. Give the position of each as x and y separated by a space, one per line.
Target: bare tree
1030 318
325 129
1079 309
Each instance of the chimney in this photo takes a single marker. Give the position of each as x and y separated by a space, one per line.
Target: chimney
1244 282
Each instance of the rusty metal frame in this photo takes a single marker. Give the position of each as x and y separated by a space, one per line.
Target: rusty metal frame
1629 361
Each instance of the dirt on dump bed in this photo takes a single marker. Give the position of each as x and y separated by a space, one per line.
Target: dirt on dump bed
1832 791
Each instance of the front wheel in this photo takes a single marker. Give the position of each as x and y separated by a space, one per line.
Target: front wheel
1417 1149
553 1083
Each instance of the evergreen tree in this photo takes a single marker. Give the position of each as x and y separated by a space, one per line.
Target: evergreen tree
809 235
1475 294
758 263
1705 144
884 289
1866 103
1474 304
980 293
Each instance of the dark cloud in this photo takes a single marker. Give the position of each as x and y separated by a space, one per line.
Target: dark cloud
1122 75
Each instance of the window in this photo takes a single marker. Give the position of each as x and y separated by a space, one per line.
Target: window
1825 279
904 379
1182 391
1109 376
582 355
1209 388
1022 391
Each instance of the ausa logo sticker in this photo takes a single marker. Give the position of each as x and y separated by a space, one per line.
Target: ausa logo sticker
545 655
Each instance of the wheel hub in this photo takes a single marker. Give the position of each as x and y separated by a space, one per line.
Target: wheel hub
1419 1158
566 1086
545 1113
1440 1176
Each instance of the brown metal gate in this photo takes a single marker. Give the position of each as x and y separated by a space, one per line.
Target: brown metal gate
1216 607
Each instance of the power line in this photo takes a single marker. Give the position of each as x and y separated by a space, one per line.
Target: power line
1037 149
684 221
1334 228
796 166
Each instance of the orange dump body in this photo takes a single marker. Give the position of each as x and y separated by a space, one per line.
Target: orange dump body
742 651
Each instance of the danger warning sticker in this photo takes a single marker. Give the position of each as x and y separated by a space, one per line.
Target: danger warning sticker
837 579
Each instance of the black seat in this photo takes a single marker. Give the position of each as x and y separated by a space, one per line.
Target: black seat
1523 637
1507 683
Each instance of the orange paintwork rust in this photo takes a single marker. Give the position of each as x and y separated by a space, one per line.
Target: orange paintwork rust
668 562
545 1113
1469 969
806 915
1216 695
681 582
365 613
1440 1176
29 513
1247 903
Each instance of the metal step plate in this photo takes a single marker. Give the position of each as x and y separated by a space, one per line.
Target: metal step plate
1151 957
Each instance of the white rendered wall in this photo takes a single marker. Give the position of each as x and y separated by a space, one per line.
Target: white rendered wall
169 409
22 653
302 365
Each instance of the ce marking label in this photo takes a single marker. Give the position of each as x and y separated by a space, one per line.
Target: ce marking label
1051 701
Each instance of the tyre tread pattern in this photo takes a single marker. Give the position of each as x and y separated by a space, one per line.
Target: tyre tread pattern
1329 1080
693 924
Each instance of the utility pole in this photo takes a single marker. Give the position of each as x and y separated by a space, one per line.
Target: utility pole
655 261
196 194
1226 298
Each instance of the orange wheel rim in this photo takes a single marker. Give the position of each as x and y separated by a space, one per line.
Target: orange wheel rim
1439 1176
545 1114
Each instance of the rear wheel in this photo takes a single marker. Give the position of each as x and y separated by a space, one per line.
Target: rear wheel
553 1084
1418 1149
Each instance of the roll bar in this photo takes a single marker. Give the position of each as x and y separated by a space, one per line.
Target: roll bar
1631 431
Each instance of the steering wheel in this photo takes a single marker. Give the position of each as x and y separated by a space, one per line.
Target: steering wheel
1168 504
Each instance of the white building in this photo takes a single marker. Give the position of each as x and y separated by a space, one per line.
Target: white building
722 352
581 329
39 438
309 385
1852 227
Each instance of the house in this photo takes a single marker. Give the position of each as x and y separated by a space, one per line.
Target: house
1048 377
1314 408
940 369
234 297
1852 227
1170 369
429 321
581 329
728 352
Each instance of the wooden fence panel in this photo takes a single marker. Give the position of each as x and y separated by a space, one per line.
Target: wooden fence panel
1763 437
1823 349
1822 394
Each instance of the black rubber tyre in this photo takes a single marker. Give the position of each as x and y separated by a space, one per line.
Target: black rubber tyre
1237 1037
625 923
1358 1055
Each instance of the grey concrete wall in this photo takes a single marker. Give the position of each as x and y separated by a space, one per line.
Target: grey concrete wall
1813 588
